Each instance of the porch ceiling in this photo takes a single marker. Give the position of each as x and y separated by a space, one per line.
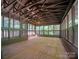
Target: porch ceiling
37 12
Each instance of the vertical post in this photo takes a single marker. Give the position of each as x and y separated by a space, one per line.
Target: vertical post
28 28
13 23
26 31
67 27
32 29
21 29
39 30
73 18
13 28
43 30
72 27
35 29
53 30
48 30
19 25
60 31
8 28
2 27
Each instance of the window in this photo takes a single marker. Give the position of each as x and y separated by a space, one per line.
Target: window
30 27
33 28
23 33
1 21
11 23
76 24
41 27
70 30
41 30
6 22
46 27
50 27
24 26
66 21
56 27
70 18
2 34
56 32
37 27
37 30
5 33
46 32
51 32
76 13
16 33
16 24
11 33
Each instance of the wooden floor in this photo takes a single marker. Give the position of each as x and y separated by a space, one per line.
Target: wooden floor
36 48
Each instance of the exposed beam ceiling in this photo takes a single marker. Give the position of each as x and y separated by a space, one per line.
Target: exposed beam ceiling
37 12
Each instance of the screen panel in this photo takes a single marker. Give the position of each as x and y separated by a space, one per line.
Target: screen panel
56 27
11 23
16 24
6 22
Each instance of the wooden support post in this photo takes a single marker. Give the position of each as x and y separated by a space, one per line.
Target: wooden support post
27 30
21 34
43 30
53 30
39 30
32 29
73 22
8 28
67 27
60 31
35 29
21 29
2 28
48 30
13 28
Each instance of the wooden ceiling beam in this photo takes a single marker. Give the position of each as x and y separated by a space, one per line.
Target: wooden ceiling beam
52 4
25 6
4 2
20 2
59 6
10 4
41 11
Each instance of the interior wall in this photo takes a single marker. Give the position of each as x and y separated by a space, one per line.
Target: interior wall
69 26
12 30
48 30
